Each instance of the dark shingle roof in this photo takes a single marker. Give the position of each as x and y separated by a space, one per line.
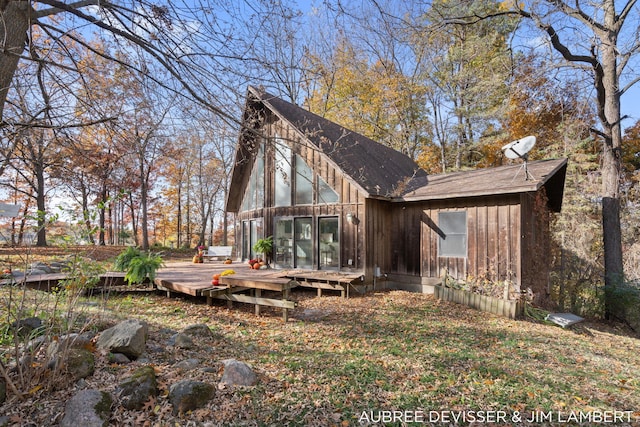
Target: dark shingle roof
508 179
379 170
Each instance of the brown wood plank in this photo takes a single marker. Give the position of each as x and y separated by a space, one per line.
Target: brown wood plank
270 302
322 285
269 284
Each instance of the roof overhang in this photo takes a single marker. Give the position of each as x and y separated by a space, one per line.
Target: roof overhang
510 179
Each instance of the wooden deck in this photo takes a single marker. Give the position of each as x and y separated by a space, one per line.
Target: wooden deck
185 277
195 279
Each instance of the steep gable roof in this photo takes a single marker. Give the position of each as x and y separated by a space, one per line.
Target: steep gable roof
380 171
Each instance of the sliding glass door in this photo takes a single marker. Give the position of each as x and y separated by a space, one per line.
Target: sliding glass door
328 243
251 232
283 243
303 243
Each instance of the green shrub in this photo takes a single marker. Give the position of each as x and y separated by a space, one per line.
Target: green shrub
124 258
624 303
143 267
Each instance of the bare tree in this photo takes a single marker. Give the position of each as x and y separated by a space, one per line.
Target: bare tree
598 48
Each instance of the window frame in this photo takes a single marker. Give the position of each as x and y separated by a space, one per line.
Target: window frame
457 233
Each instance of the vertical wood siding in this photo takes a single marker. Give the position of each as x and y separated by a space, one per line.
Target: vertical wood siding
493 239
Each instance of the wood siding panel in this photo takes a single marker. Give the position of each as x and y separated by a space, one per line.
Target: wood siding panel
493 240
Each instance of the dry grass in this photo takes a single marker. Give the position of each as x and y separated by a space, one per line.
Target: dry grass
381 352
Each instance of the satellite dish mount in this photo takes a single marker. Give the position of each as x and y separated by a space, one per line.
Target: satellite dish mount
519 149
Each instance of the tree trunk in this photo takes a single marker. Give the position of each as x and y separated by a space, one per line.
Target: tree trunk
14 24
41 240
225 218
144 220
179 221
134 222
611 167
85 213
102 207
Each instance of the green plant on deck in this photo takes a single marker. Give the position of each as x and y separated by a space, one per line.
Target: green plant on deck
124 258
264 246
143 267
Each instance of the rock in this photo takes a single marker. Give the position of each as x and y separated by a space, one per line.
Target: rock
119 358
187 365
58 266
41 267
4 421
187 395
79 362
238 373
136 390
70 341
198 330
128 337
24 327
183 341
88 408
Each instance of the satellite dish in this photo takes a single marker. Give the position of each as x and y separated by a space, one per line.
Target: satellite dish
520 148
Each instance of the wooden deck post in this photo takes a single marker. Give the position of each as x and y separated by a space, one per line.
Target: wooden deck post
257 293
285 296
229 301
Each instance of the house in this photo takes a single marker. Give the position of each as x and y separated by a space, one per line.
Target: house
335 200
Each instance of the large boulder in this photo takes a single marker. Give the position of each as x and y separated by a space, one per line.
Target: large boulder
79 362
88 408
238 373
136 390
128 337
72 340
187 395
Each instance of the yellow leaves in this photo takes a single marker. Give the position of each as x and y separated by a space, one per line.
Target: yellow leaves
370 98
35 389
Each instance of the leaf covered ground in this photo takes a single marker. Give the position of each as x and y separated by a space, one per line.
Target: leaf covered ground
345 362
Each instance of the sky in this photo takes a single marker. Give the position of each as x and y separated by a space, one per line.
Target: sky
631 106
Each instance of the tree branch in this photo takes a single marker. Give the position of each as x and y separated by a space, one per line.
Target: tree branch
55 8
144 45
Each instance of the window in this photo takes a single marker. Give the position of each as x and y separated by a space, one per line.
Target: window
254 194
283 174
304 182
251 232
294 180
453 237
326 193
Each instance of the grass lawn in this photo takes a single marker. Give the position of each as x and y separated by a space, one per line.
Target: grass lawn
344 362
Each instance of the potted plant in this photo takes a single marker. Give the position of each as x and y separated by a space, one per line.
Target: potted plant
198 258
264 247
138 266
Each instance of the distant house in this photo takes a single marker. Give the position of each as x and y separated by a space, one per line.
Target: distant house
335 200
